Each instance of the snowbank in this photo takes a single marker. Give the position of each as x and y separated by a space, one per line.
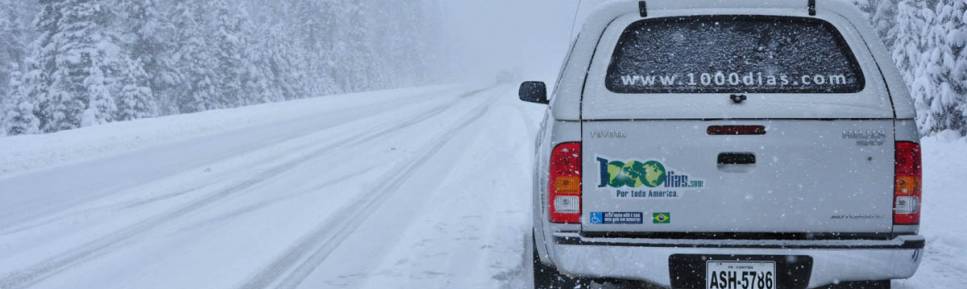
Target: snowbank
945 180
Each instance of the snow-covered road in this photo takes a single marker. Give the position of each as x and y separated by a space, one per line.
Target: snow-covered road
416 188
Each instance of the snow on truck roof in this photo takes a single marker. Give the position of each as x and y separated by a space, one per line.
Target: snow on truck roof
694 4
796 7
605 12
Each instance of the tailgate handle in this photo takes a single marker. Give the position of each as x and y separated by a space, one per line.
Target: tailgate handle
736 130
736 159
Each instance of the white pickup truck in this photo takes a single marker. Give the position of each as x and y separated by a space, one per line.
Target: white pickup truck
742 144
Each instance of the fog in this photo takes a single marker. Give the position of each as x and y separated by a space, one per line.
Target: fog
528 37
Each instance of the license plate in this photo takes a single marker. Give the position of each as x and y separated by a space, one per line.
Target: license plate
740 275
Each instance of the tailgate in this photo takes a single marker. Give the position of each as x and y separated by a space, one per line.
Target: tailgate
798 176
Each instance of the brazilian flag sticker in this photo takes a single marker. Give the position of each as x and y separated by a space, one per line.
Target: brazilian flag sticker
662 218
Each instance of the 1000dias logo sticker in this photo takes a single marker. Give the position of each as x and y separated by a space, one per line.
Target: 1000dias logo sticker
659 180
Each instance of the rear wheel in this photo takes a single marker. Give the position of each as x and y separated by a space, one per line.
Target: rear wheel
547 277
884 284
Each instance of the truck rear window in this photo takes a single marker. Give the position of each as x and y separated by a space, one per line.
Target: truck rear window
733 54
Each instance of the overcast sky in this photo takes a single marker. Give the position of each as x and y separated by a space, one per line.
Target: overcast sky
529 36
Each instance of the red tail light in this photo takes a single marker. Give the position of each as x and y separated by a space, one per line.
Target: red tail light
564 188
907 192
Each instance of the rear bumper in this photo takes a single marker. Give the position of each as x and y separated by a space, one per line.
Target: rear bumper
648 259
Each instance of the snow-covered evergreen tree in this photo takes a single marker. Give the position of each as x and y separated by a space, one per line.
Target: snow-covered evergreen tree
196 90
256 76
911 23
143 29
227 44
356 57
96 61
315 23
945 40
884 14
133 96
77 65
20 118
958 72
12 52
42 61
275 59
927 39
912 19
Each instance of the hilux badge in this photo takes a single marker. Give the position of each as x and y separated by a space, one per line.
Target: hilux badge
608 134
866 137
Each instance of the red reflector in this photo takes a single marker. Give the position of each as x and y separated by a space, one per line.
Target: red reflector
908 186
736 130
564 183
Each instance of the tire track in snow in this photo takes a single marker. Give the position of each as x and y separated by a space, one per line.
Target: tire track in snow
387 107
300 260
50 267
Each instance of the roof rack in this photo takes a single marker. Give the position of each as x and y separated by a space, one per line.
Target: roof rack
643 7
